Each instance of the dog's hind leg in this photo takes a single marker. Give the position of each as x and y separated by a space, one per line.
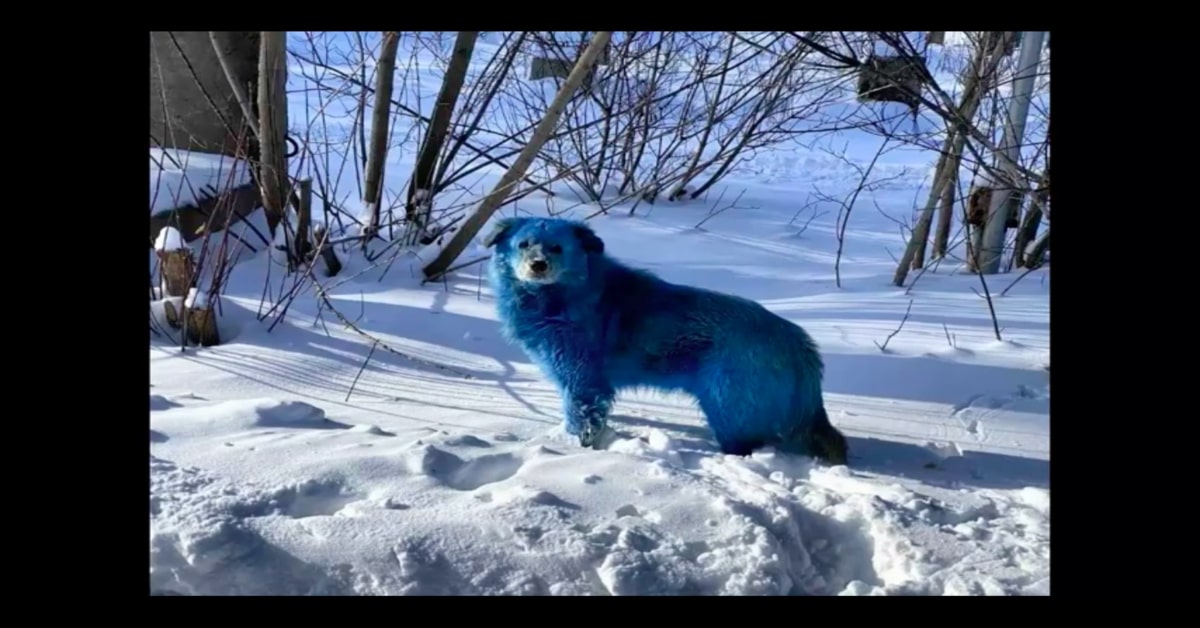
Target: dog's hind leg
724 417
736 412
753 399
821 440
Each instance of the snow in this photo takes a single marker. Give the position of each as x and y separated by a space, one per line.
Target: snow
196 298
285 462
169 239
267 480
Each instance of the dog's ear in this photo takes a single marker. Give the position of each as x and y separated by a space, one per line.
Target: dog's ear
588 238
502 228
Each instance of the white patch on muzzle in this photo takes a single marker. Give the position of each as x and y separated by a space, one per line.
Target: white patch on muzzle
525 268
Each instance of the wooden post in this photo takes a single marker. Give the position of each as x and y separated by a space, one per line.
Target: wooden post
333 266
200 320
176 269
303 248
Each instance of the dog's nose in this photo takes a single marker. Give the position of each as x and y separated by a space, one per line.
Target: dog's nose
538 266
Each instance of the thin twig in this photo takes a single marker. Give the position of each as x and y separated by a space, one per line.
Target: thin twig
987 296
1015 281
716 212
883 347
329 305
239 91
461 266
361 369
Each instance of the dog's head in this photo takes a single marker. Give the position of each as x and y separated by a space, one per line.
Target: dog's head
544 250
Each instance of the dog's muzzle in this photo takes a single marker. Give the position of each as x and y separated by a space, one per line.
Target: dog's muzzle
535 267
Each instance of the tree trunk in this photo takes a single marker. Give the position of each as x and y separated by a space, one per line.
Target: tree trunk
1011 183
982 67
385 71
1033 219
420 189
980 75
916 242
481 110
1037 255
273 121
945 219
492 202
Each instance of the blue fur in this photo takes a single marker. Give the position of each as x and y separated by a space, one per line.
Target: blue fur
597 327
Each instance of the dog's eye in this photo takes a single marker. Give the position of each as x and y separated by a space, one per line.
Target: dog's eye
524 244
554 248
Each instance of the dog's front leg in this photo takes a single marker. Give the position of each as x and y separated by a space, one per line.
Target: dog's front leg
587 400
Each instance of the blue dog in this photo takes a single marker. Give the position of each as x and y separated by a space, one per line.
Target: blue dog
595 326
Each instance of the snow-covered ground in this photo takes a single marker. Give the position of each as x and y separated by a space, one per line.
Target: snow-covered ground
314 458
280 464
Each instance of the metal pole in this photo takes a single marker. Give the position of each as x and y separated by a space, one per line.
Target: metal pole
992 246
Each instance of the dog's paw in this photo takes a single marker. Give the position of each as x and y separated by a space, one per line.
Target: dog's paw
595 435
588 436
